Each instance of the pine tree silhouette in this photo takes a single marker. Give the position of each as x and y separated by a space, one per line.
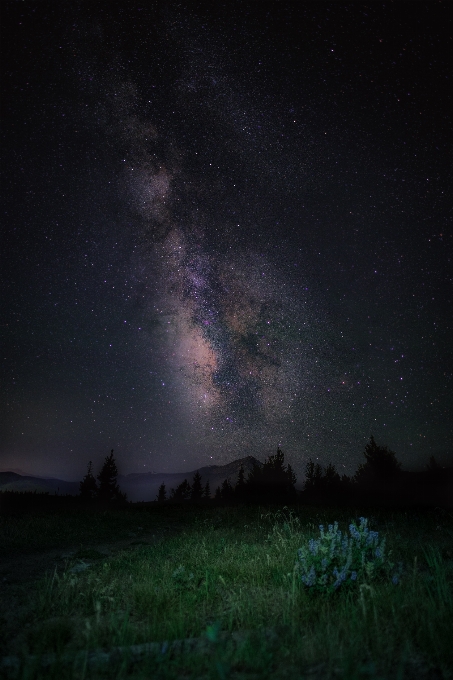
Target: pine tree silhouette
207 490
272 481
197 489
290 476
254 481
226 490
88 486
434 471
313 477
380 466
108 488
181 493
161 494
240 488
433 464
331 479
346 483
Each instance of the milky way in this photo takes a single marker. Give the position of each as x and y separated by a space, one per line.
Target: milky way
227 231
245 347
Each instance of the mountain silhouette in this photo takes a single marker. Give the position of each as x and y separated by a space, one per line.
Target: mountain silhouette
12 481
139 486
143 486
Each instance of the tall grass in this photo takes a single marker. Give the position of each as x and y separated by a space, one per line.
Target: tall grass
231 570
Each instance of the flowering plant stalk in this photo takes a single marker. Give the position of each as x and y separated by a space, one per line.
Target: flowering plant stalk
336 560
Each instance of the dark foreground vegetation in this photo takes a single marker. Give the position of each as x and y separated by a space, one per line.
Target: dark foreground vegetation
346 579
219 592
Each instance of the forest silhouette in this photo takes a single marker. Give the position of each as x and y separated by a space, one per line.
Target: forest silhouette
378 480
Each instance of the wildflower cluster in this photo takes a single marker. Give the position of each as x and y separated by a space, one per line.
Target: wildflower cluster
336 559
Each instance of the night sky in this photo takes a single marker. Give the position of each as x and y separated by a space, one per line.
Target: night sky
225 228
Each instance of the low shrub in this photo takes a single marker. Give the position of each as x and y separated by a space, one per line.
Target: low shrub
336 560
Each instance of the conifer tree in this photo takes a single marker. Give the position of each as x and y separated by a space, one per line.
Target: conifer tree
290 475
207 490
380 466
226 490
218 494
433 464
239 489
108 487
272 480
182 492
88 486
434 471
254 479
161 494
197 489
331 479
313 477
346 483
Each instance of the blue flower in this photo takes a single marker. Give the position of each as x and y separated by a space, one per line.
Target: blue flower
340 577
313 546
354 532
373 536
353 576
310 579
395 580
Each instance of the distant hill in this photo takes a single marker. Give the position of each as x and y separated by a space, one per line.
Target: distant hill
139 486
143 486
12 481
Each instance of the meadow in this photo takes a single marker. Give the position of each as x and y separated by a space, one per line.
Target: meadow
216 592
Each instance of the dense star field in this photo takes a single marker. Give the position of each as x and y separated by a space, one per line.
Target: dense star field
225 229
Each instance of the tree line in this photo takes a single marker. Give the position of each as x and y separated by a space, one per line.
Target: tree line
272 481
380 474
106 488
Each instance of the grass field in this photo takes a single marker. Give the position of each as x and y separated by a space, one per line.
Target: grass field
218 591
